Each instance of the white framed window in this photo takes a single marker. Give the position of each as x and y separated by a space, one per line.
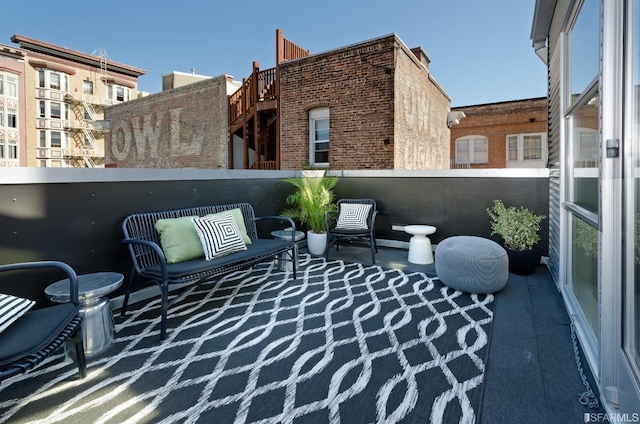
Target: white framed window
56 139
472 149
87 87
1 85
1 117
54 81
13 149
526 150
55 110
12 87
319 124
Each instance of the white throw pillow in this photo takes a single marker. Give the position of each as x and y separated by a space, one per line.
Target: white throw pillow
219 235
353 216
12 308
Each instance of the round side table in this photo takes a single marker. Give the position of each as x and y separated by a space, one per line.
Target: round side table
419 245
94 305
282 262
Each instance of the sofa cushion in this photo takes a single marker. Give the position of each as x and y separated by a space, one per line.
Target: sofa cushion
12 308
219 235
353 216
179 239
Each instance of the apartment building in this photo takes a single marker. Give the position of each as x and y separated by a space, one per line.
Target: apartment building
370 105
509 134
53 117
12 106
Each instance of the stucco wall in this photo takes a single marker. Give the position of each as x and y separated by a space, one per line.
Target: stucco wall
181 128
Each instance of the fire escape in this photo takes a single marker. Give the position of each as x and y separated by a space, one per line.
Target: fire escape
254 114
85 129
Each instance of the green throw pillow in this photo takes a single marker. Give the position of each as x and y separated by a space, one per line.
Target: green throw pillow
179 239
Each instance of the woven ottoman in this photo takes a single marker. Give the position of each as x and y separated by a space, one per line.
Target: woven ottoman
472 264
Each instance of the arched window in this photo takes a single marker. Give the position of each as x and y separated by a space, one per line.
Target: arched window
472 149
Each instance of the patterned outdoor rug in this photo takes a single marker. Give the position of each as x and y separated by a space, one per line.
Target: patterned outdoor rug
344 343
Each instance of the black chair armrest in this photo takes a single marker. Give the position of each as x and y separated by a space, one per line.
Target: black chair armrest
157 250
71 274
279 218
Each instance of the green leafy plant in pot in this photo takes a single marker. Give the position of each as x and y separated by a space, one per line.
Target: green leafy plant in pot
312 198
520 230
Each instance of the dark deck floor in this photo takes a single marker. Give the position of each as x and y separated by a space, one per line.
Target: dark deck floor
531 376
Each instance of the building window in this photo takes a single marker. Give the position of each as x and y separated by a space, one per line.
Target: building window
41 82
2 156
43 139
120 94
1 117
12 118
319 137
13 149
87 87
12 87
56 139
472 149
42 111
1 85
526 147
54 81
55 110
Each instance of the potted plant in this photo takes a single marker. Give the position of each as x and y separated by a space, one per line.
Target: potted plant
520 230
312 198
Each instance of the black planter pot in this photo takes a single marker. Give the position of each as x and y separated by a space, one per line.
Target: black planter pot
524 262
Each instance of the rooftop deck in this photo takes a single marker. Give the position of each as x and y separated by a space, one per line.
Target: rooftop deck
532 376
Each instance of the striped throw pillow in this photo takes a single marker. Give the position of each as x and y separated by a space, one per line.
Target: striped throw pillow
353 216
219 235
12 308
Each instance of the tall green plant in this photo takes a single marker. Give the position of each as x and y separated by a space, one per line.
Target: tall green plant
313 196
518 227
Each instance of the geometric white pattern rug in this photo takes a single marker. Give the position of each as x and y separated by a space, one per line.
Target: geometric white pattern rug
344 343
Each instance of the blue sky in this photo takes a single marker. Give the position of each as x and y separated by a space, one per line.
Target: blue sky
480 51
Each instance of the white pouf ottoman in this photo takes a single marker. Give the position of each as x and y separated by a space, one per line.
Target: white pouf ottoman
472 264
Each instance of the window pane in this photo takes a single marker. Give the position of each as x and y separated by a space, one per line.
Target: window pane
87 87
322 129
480 151
585 153
55 110
12 87
584 269
13 149
462 152
532 147
512 148
322 157
1 149
12 119
43 139
1 85
585 47
54 81
55 139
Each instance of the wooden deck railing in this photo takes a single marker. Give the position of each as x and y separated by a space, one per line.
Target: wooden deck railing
267 165
261 85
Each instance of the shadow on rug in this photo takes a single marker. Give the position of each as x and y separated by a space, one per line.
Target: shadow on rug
344 343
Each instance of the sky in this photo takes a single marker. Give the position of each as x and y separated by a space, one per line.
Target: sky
480 51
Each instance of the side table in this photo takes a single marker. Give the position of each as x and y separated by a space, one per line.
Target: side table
420 251
282 262
94 305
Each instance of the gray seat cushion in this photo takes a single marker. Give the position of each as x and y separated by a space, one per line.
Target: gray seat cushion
472 264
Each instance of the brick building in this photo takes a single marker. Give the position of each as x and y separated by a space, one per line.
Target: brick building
370 105
510 134
384 110
184 127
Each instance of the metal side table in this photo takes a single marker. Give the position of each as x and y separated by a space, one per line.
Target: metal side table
282 262
95 307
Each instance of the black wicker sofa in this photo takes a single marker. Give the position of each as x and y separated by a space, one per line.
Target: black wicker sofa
149 251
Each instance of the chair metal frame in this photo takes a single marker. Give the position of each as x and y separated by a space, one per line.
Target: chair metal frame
365 236
71 332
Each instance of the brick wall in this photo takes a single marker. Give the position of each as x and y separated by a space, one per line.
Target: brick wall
181 128
497 120
357 84
421 107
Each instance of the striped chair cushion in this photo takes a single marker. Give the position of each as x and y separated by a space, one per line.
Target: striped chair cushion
219 235
353 216
12 308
